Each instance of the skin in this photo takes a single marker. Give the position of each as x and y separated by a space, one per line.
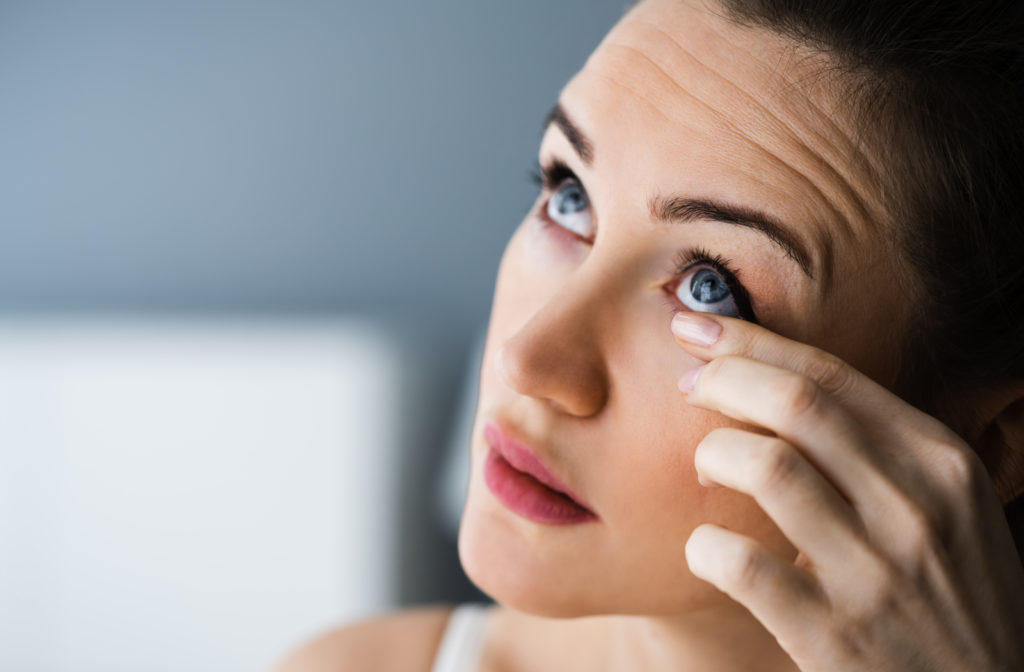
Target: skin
823 494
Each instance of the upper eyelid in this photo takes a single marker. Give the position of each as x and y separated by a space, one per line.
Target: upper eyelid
549 171
555 171
744 302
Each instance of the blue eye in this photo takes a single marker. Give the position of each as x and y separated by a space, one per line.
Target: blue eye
569 207
707 287
708 284
706 291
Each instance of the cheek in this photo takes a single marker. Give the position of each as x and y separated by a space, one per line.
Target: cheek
650 482
653 497
641 475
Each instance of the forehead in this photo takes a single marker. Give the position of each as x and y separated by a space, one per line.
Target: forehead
681 99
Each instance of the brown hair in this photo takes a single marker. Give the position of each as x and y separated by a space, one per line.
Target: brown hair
942 79
939 83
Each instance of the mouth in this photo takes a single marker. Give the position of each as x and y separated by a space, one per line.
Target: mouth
521 481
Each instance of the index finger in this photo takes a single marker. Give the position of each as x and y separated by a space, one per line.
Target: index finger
707 336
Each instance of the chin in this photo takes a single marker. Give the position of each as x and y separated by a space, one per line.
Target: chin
515 575
558 573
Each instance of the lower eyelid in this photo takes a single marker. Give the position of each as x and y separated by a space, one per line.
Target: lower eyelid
673 303
571 240
558 230
567 241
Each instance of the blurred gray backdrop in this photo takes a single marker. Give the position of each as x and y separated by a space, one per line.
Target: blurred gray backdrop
301 158
305 156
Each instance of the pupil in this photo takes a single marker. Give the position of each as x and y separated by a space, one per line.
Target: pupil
708 287
571 199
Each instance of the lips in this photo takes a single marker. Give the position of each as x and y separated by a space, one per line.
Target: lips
523 459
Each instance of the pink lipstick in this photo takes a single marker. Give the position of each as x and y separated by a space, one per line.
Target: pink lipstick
524 485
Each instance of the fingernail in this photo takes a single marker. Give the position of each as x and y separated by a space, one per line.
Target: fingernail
689 379
696 328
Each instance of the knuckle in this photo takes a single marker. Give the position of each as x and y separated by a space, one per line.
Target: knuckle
863 609
854 640
715 366
848 640
797 396
939 432
757 342
958 467
743 566
878 590
830 372
775 465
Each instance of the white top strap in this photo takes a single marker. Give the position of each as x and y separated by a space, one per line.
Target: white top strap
462 642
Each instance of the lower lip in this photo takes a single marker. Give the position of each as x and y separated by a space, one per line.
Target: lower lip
525 495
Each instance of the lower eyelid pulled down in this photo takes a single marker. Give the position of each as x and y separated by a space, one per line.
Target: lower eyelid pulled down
690 259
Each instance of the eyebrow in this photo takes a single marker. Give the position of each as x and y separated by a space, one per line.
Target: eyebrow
680 209
577 138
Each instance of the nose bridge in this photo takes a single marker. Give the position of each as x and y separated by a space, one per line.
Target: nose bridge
558 354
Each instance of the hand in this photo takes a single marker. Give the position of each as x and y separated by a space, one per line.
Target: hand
905 557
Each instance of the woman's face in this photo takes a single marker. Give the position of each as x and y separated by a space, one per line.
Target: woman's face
685 150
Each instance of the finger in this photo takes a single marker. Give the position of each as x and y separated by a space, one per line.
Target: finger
912 472
785 599
883 493
708 336
797 410
801 502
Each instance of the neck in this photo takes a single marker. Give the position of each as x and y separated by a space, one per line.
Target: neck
722 638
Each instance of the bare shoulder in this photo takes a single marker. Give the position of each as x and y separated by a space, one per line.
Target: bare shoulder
405 639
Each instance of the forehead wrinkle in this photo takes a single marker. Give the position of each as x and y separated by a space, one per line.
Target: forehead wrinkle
822 230
847 189
643 98
776 71
777 160
825 247
853 148
826 116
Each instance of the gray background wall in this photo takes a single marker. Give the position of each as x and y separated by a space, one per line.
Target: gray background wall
301 158
305 156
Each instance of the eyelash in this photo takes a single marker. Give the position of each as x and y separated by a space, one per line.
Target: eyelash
551 176
688 258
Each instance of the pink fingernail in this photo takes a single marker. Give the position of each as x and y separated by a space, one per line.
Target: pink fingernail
689 379
696 328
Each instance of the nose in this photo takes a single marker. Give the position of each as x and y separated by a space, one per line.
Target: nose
556 356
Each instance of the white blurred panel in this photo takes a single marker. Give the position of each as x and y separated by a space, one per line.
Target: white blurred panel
191 496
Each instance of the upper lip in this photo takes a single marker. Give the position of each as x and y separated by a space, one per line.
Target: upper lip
523 459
